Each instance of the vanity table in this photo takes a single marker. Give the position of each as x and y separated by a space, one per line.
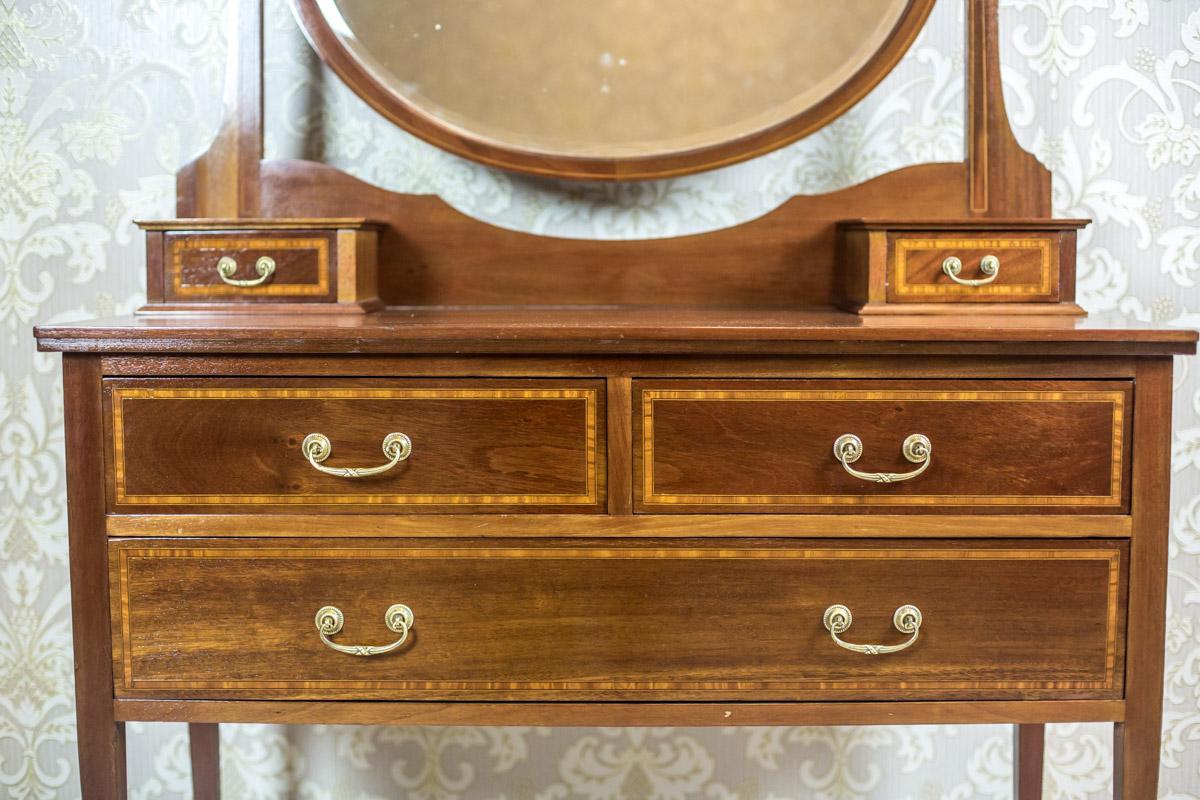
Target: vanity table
362 459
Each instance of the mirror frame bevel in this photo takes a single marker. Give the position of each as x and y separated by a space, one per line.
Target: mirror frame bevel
403 113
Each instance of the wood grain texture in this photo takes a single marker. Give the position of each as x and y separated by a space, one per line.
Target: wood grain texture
223 619
584 365
1003 180
101 737
304 266
1138 741
432 254
894 266
626 331
231 443
575 526
616 714
768 446
204 746
1028 269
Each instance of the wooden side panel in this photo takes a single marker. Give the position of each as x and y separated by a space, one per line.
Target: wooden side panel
430 254
216 444
767 446
223 618
101 736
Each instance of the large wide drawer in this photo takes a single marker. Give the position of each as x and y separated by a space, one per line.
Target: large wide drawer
507 620
290 444
914 445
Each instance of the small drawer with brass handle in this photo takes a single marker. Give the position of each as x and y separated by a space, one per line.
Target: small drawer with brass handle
764 446
326 265
458 445
581 619
1003 266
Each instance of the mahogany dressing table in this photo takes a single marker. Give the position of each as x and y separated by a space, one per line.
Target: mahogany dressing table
362 459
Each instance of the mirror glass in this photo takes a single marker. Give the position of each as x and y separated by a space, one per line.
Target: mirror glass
610 78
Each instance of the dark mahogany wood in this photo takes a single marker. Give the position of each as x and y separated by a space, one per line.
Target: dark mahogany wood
1029 746
666 617
1138 740
768 446
222 618
456 139
633 330
348 712
895 266
101 736
1003 180
204 745
477 445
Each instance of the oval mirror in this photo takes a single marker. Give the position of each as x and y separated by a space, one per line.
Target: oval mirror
611 89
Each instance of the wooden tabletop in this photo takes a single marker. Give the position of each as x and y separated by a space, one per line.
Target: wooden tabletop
667 330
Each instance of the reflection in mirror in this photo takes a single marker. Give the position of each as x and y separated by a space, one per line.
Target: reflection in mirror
914 116
612 78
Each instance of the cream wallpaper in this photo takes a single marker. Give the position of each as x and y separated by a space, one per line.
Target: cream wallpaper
101 100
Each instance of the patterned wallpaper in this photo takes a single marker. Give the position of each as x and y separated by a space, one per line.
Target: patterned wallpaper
101 100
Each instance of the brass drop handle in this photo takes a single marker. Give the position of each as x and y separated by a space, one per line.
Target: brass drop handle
227 268
988 265
398 618
316 447
907 619
917 448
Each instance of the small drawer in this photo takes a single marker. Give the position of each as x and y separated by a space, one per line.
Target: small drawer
361 445
262 266
933 268
504 620
915 446
997 266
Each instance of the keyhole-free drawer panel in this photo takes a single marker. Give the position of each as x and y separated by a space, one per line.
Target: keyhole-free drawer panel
303 266
769 446
507 620
1027 268
208 445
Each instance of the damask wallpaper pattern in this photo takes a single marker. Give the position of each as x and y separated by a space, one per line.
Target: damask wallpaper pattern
101 100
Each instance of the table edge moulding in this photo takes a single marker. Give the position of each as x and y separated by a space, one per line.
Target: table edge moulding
927 486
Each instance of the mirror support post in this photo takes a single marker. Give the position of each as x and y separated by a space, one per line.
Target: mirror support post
224 180
1003 180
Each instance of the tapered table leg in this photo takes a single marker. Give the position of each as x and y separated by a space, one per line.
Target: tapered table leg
204 740
1029 746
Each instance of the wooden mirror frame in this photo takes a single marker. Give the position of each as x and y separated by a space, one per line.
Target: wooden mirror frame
452 138
430 254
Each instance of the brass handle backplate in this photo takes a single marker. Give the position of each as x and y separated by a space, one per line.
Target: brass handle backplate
907 619
988 265
316 447
917 448
398 618
227 268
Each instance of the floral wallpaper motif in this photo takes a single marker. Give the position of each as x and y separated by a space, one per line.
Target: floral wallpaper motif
100 102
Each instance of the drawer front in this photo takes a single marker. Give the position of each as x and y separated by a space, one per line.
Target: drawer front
209 445
769 446
1027 268
717 620
269 266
